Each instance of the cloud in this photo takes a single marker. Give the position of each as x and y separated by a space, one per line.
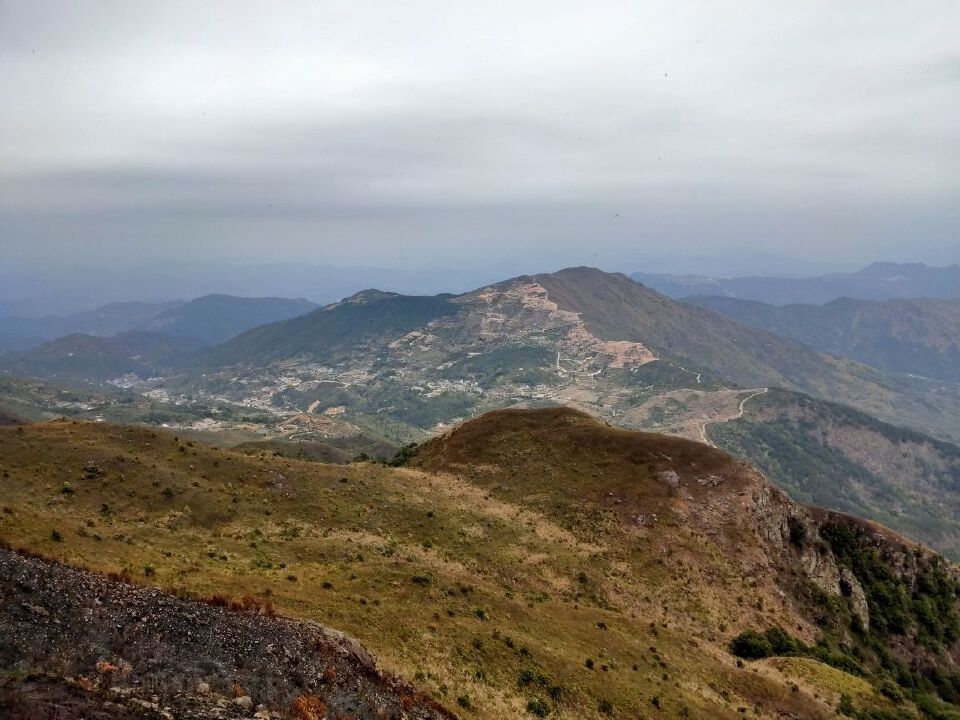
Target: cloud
355 127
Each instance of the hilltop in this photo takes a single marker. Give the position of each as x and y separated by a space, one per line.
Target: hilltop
525 563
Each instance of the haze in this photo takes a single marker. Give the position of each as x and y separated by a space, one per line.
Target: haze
157 149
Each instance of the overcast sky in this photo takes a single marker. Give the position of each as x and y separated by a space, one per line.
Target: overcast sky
456 134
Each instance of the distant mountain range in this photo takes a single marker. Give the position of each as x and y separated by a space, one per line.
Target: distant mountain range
207 320
879 281
917 336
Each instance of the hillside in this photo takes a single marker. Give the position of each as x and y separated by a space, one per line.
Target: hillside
214 319
25 333
527 563
337 331
836 457
92 358
616 308
915 336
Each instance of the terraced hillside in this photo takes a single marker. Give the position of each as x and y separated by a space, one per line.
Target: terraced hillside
527 563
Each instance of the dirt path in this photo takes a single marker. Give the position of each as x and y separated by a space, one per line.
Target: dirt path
707 421
761 391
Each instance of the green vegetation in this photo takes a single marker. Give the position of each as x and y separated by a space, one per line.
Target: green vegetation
914 335
334 332
921 610
839 458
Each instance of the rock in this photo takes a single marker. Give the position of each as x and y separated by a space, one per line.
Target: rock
850 587
37 610
669 477
244 701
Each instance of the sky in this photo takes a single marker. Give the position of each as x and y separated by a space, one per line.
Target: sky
156 139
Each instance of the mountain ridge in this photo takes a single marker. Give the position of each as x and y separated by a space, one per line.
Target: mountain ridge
878 281
920 336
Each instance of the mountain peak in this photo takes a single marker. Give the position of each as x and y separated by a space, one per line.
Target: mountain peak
371 295
562 447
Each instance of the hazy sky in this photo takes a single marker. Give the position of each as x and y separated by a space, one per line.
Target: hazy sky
423 134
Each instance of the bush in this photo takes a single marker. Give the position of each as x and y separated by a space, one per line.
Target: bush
751 645
538 707
846 706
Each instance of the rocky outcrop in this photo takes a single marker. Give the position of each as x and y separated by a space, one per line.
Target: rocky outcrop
102 648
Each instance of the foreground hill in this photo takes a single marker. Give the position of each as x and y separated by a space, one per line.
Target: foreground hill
879 281
898 336
527 563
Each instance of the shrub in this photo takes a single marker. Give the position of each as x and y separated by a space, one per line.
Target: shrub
846 706
538 707
309 707
751 645
56 536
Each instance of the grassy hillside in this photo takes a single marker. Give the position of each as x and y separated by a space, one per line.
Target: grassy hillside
836 457
899 336
527 564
